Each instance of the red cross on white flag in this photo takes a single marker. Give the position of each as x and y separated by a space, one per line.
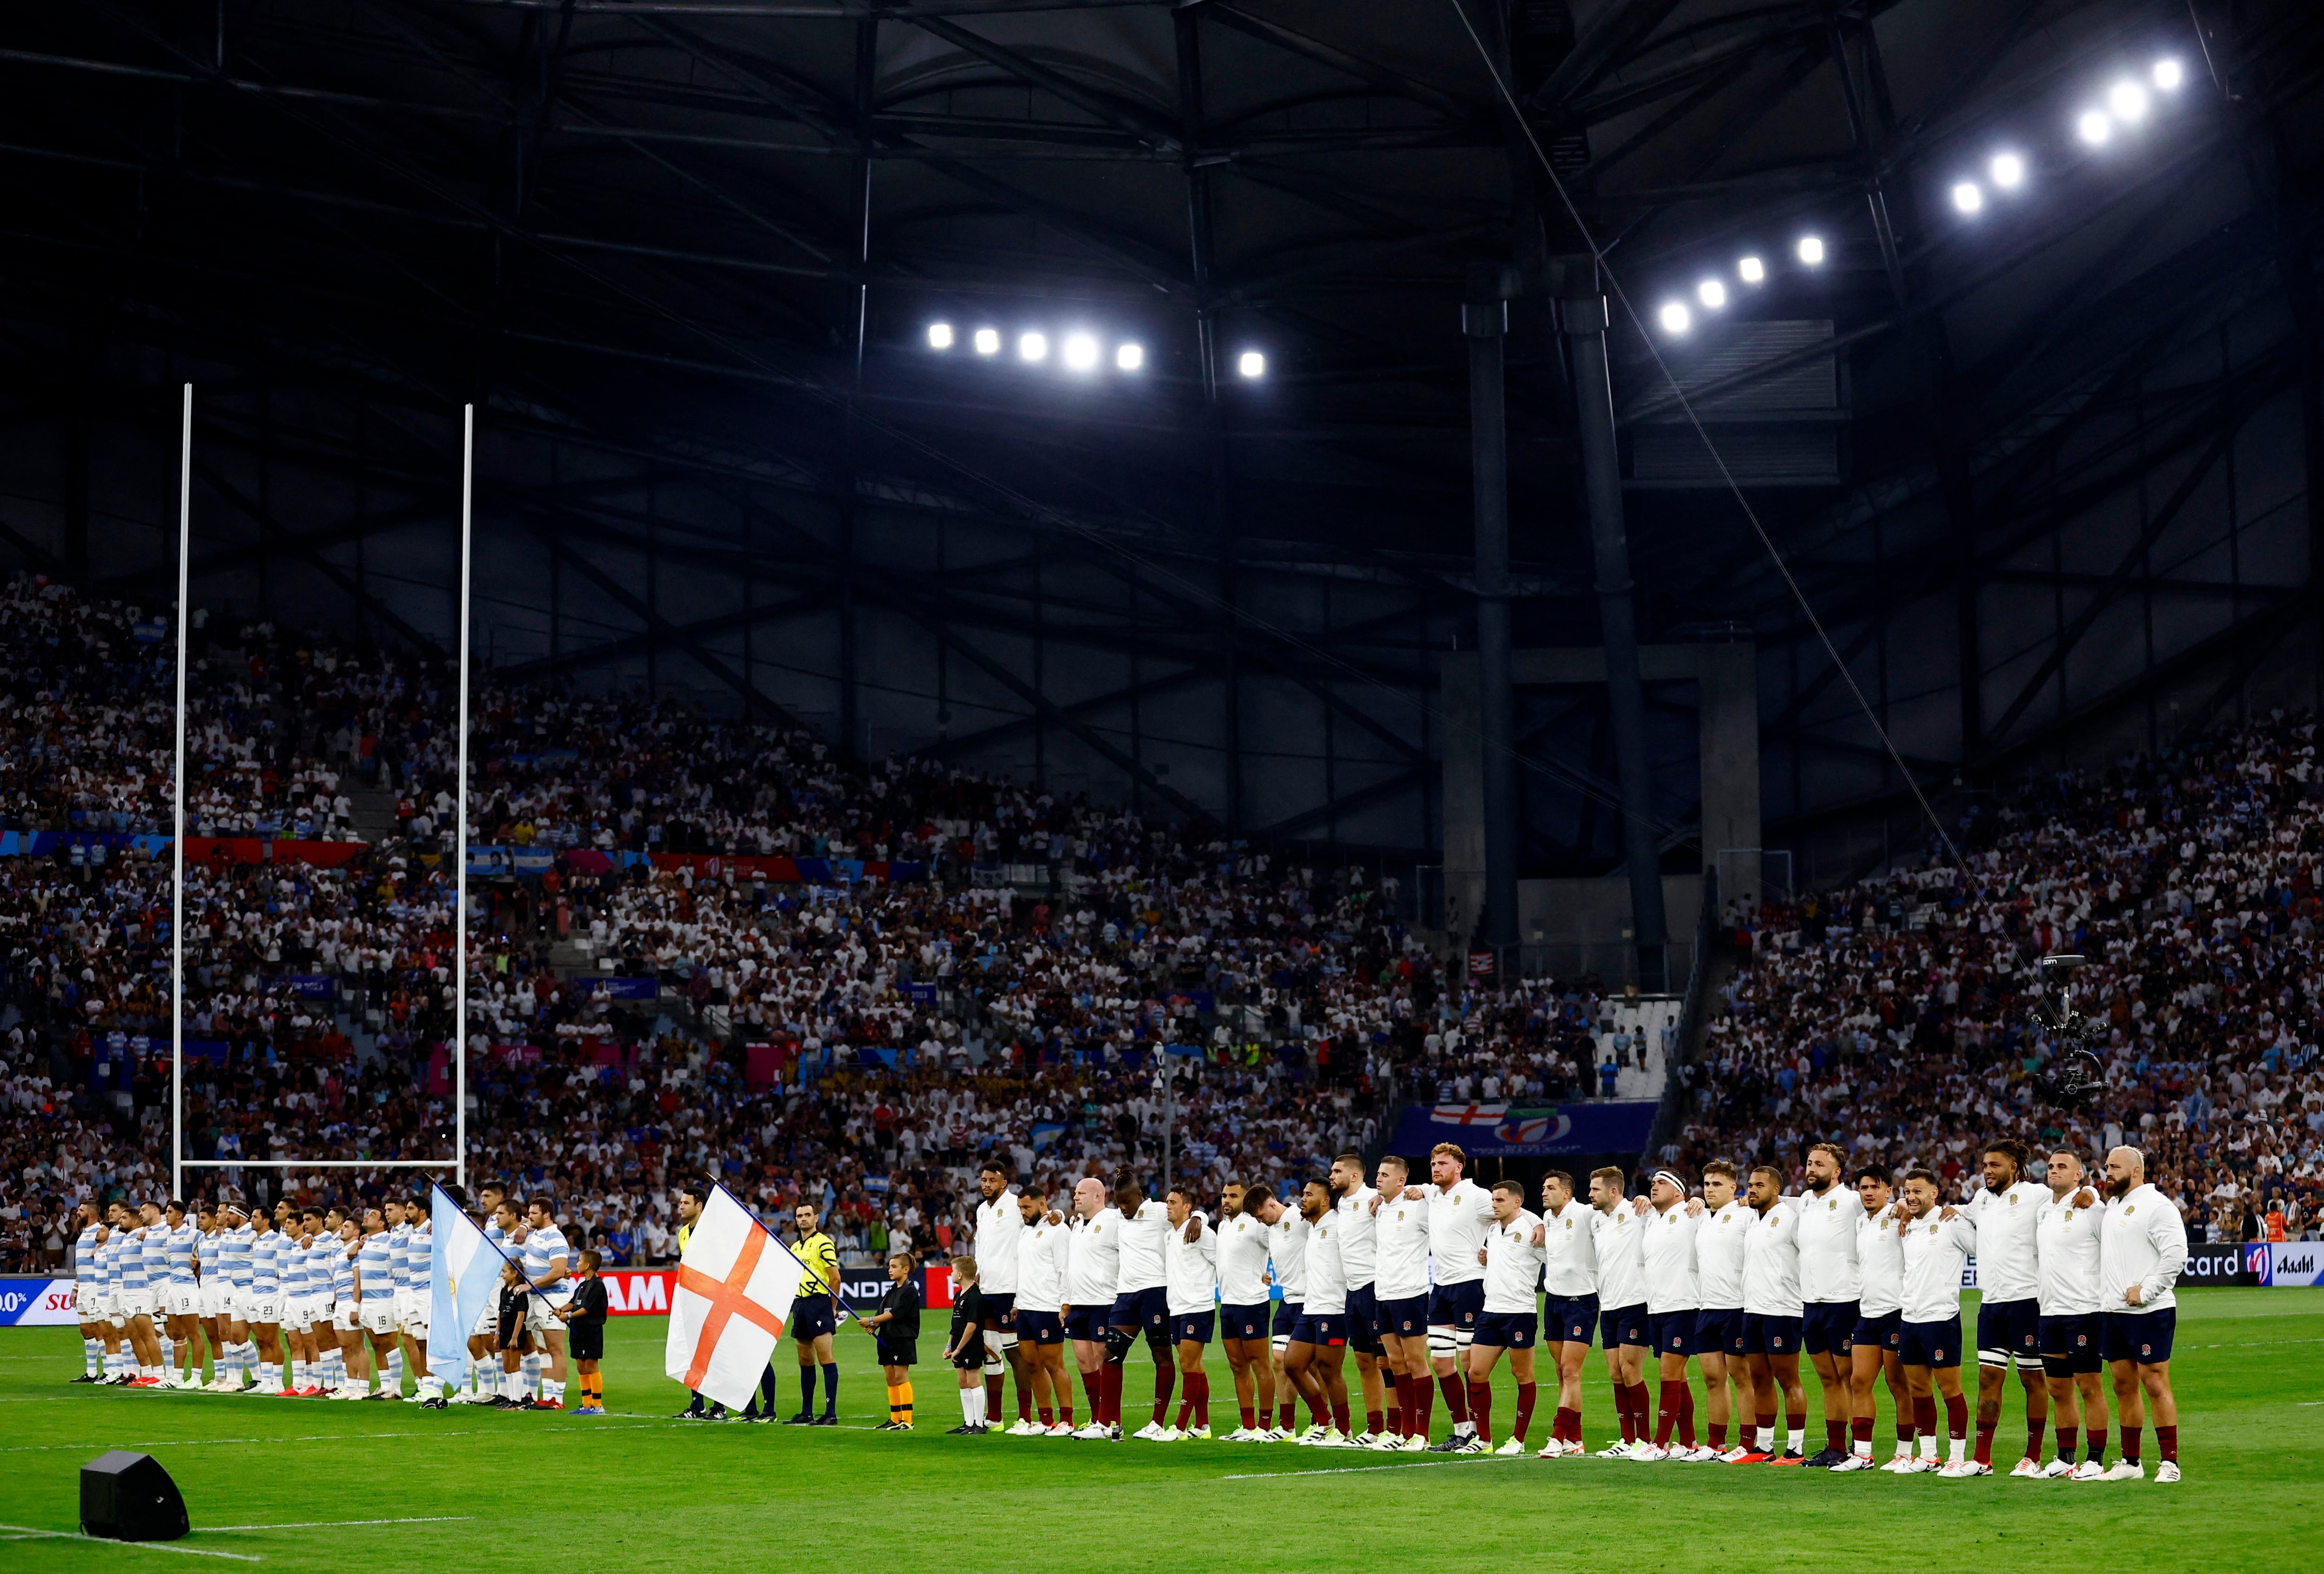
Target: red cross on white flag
736 1284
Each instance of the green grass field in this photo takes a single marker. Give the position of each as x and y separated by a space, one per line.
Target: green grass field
464 1488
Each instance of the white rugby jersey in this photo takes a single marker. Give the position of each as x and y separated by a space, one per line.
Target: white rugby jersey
1287 1249
1458 1218
1191 1267
1359 1236
1041 1266
544 1245
1667 1255
1092 1256
1880 1261
998 1230
1400 1238
1771 1261
265 1260
2143 1243
2006 1269
1139 1266
2066 1254
1571 1250
1513 1263
1828 1271
1242 1260
1327 1279
1719 1245
1622 1274
1936 1251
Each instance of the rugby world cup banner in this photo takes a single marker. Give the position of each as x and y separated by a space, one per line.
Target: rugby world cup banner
645 1291
36 1302
1615 1125
2287 1264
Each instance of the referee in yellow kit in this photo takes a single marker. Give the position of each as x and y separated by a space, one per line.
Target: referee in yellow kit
814 1319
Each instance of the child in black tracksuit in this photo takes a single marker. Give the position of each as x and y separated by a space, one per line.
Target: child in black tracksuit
585 1323
965 1349
896 1332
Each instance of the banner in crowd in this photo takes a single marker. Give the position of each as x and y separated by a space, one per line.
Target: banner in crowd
36 1303
532 862
1615 1125
41 843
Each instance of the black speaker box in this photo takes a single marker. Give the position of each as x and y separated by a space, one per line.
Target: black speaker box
129 1497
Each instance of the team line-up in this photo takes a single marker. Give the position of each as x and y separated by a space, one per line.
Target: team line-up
1430 1284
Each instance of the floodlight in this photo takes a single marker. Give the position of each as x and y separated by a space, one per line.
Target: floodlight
2094 127
2127 101
1711 293
988 341
1751 271
1033 346
1129 356
1812 250
1251 364
940 336
2168 74
2008 171
1969 196
1675 318
1081 352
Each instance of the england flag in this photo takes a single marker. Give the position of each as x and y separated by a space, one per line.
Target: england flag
735 1285
466 1269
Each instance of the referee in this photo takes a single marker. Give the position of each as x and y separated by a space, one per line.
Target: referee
814 1319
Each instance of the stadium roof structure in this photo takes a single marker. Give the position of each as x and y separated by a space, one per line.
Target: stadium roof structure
688 256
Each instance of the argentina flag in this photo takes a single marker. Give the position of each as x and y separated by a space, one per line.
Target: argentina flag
465 1282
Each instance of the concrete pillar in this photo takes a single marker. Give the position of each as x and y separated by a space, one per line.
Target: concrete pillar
1585 325
1485 321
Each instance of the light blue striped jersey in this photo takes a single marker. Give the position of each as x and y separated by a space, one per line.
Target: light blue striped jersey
266 1261
542 1247
419 1260
375 1266
291 1266
136 1264
88 1258
342 1270
206 1255
154 1253
399 1255
179 1245
234 1255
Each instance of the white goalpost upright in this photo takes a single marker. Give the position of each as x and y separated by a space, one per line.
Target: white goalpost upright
179 1163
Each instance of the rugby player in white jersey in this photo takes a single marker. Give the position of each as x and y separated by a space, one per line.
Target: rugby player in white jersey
1673 1306
1319 1341
1516 1247
1875 1349
2072 1337
1287 1252
1141 1298
1360 1261
1190 1266
1772 1318
1720 1243
88 1296
1246 1220
2141 1249
181 1292
2009 1308
1092 1259
1401 1262
1570 1303
1042 1248
998 1224
547 1268
263 1309
1937 1246
1829 1211
1620 1226
1459 1212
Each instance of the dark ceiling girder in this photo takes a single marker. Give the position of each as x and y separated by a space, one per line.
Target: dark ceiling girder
1387 79
1614 35
1379 791
1147 127
210 476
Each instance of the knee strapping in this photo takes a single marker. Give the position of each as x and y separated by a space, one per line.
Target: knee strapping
993 1365
1443 1343
1117 1346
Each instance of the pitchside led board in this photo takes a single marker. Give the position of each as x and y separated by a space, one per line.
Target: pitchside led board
645 1291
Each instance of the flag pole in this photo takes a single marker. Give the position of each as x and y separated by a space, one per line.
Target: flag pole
178 816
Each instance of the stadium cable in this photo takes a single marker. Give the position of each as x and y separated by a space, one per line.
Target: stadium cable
1584 782
1606 272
